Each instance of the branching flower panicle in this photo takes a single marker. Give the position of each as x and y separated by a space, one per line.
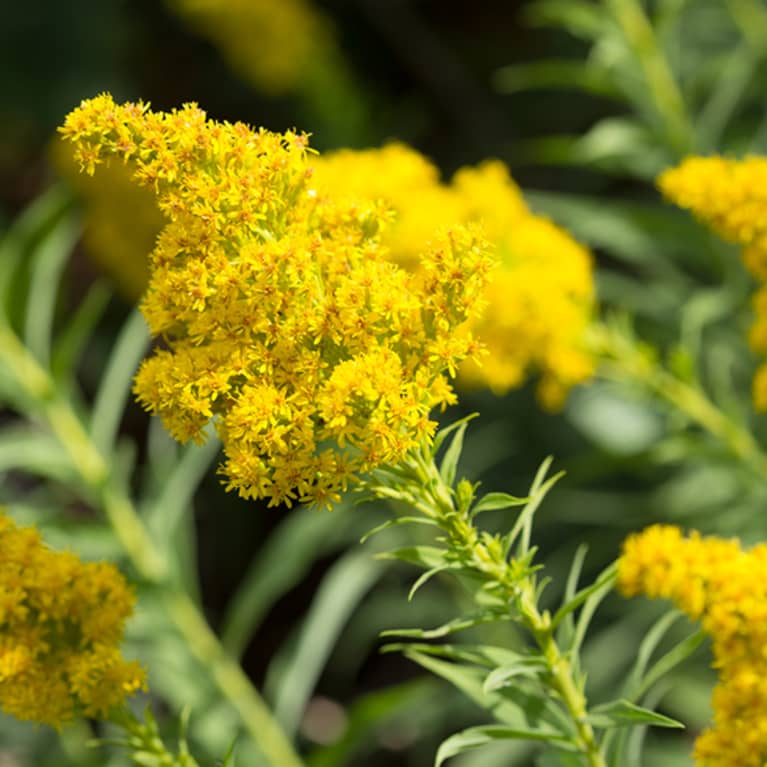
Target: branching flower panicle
541 296
730 196
716 582
282 317
61 622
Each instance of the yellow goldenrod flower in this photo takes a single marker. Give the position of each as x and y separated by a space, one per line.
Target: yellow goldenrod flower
61 621
727 195
282 318
730 196
541 296
724 587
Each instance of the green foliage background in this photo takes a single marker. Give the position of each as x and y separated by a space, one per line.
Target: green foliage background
587 103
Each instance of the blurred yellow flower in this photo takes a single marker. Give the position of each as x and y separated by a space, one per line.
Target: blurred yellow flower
281 317
271 44
120 219
730 196
61 622
716 582
541 297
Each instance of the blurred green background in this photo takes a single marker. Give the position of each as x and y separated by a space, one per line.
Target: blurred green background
564 94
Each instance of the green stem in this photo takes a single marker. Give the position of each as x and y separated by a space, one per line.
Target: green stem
663 89
623 360
464 536
100 485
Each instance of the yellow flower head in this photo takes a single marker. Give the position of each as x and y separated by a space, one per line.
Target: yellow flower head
730 196
282 318
724 587
540 298
61 622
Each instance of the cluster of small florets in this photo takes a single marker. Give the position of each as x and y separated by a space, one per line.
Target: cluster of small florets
61 622
541 297
282 317
716 582
730 196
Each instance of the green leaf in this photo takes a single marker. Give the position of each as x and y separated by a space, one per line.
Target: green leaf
590 604
515 707
25 232
71 341
652 638
604 582
284 559
672 658
484 656
229 756
423 578
47 262
397 521
449 465
579 17
116 381
164 512
425 556
615 145
340 592
523 523
493 501
623 713
456 624
24 448
525 666
476 737
443 434
554 73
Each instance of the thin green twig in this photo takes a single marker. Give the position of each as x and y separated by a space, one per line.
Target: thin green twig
436 499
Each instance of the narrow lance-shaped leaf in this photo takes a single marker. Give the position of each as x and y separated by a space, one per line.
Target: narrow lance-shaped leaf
623 713
456 624
449 465
476 737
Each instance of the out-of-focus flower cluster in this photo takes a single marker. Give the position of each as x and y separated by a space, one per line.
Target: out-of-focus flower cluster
280 315
120 219
716 582
271 44
61 622
730 196
540 298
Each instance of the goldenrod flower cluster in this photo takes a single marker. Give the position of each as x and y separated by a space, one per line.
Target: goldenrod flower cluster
121 220
716 582
541 296
281 317
61 622
271 44
731 197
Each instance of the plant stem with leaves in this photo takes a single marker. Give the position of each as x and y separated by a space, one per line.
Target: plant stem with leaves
36 392
501 569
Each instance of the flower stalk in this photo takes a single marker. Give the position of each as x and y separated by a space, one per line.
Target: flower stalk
423 485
